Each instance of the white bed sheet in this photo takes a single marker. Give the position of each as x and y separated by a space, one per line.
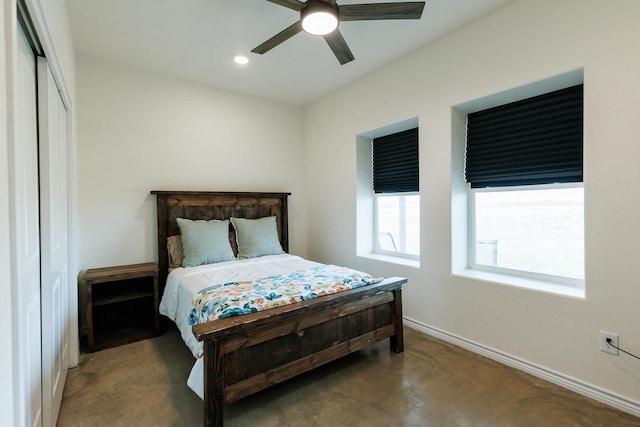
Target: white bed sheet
184 283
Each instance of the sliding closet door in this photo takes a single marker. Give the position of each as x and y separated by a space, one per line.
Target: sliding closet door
54 234
27 237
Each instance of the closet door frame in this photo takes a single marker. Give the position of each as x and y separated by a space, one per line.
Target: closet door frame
36 14
14 393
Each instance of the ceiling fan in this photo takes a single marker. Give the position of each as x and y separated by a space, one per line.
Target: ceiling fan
321 17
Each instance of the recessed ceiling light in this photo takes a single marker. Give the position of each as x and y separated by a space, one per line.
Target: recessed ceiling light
241 60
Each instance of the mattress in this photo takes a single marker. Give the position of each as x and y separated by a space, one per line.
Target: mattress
200 294
183 284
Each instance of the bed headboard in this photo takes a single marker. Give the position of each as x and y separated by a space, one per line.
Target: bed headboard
215 205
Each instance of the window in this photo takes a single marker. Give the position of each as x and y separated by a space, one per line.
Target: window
398 220
523 166
396 200
538 230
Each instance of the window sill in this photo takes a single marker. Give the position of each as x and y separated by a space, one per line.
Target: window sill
392 259
521 282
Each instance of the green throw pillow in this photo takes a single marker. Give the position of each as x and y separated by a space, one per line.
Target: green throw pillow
257 237
204 242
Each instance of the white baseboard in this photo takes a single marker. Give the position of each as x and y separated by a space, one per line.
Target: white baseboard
572 384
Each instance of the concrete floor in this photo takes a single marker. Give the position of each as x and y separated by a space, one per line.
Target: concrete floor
431 384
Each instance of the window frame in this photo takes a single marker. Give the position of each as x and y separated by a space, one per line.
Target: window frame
376 233
395 172
471 236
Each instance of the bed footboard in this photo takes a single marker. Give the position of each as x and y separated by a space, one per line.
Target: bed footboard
246 354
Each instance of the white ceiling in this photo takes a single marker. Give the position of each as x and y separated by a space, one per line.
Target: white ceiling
196 40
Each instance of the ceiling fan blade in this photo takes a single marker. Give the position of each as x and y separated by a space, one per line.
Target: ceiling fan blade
339 47
291 4
376 11
282 36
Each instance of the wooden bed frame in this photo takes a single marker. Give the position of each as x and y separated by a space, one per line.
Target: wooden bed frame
246 354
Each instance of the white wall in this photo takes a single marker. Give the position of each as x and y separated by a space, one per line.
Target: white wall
139 132
527 41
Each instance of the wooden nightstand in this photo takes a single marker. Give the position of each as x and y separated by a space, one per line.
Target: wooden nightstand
122 304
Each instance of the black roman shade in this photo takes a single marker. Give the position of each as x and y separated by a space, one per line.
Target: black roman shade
534 141
395 162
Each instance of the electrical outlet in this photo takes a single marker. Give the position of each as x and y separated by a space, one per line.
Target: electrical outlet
604 345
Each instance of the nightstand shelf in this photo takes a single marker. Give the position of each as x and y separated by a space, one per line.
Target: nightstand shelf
122 304
127 296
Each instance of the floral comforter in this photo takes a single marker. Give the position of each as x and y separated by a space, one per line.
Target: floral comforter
243 297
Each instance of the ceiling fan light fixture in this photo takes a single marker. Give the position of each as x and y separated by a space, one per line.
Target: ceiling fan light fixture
319 18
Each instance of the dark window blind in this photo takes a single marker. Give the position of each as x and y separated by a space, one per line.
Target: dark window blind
534 141
395 162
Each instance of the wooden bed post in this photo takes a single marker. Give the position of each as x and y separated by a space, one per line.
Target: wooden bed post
213 384
396 342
